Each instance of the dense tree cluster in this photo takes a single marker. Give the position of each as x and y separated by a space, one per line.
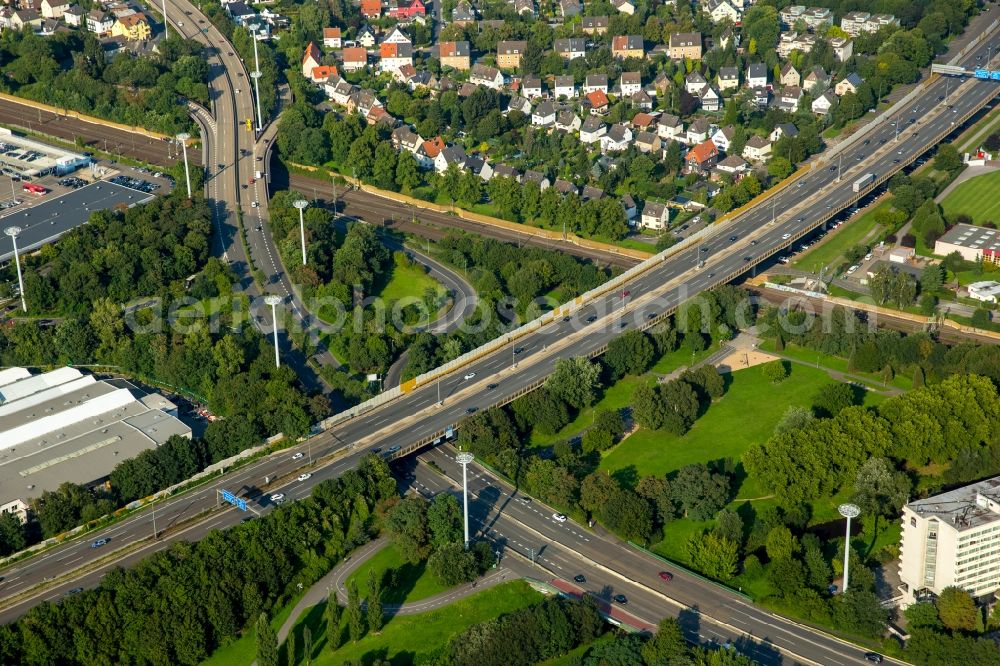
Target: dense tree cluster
180 604
68 70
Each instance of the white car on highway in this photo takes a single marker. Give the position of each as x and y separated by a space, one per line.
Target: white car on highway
277 497
785 236
305 476
470 376
559 517
298 455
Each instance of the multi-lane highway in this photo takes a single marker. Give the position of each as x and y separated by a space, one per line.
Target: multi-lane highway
420 414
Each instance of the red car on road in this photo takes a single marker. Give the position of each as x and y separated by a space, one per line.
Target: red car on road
666 576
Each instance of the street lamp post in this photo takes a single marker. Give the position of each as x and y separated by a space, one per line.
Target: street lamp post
464 458
848 511
273 300
166 30
302 204
182 138
256 74
13 232
840 166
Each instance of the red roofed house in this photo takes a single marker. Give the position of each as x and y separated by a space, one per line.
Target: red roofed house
321 73
354 58
331 38
310 59
702 157
597 102
371 9
395 56
403 11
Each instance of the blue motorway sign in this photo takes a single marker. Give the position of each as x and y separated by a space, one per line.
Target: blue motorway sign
995 76
238 502
449 432
982 73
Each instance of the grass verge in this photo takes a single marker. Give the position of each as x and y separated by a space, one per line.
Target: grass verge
413 581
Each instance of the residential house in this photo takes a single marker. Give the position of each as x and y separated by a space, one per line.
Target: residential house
311 57
536 177
788 99
824 103
697 132
722 10
371 9
567 121
843 49
641 100
450 156
531 87
407 10
570 8
596 102
504 171
630 83
644 121
662 83
366 37
624 6
789 75
757 149
802 42
855 23
134 27
670 128
848 84
727 36
592 130
112 47
509 53
760 97
412 79
694 82
723 137
544 114
467 89
564 87
75 16
627 46
594 25
480 167
463 14
239 12
397 36
595 82
734 165
655 216
363 101
631 209
729 78
814 18
757 75
565 187
568 49
429 151
54 9
709 99
524 7
354 58
783 130
393 56
702 157
685 45
322 73
817 79
592 193
338 90
518 103
648 142
404 138
48 27
455 55
332 38
490 77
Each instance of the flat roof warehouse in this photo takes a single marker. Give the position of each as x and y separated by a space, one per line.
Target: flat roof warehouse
66 426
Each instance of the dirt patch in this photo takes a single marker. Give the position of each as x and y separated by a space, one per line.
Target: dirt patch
741 359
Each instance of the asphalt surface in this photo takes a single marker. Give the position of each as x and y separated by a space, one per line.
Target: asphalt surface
408 421
46 218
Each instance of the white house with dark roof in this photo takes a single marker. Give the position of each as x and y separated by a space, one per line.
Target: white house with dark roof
483 75
694 82
531 87
670 128
564 87
729 78
544 114
595 82
655 216
757 75
617 139
567 121
592 130
630 82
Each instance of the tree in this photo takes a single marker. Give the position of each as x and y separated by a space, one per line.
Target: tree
832 398
407 525
375 614
781 543
576 380
699 492
631 353
860 611
923 614
334 611
947 158
931 277
407 175
444 518
794 418
648 407
879 488
729 525
267 642
713 556
307 644
290 651
452 564
956 609
355 618
681 404
779 168
775 371
666 645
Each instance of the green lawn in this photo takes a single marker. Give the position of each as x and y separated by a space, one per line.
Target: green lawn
976 197
414 582
408 282
244 649
680 358
831 250
839 364
408 639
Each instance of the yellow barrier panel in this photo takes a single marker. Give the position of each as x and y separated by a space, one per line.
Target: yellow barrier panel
408 385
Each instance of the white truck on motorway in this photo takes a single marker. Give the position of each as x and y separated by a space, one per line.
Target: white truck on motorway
863 182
